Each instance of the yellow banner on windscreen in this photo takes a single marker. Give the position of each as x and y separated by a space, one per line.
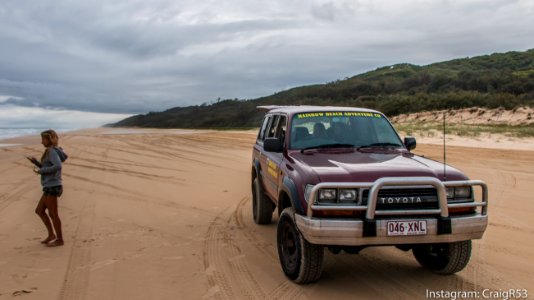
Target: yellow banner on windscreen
338 114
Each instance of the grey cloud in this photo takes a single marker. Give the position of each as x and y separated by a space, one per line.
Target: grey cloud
139 56
334 10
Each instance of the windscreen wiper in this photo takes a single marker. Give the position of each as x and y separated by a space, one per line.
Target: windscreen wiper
379 145
326 146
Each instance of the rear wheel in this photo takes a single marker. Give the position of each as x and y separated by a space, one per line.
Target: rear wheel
262 207
444 259
301 261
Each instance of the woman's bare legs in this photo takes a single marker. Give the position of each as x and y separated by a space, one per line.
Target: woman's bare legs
51 205
40 211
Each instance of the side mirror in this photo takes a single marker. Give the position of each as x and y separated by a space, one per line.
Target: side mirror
410 143
272 145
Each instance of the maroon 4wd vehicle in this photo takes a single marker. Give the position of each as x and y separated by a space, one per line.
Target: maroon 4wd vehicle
343 179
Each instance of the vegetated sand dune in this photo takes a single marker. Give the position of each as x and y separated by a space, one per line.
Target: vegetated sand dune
166 214
480 127
474 115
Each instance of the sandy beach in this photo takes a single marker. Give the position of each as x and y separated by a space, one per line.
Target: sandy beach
166 214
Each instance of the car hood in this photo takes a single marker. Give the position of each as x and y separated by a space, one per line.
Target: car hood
356 166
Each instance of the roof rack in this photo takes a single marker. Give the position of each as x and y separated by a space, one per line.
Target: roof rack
270 107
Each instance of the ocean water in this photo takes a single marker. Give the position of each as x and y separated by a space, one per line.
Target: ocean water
6 133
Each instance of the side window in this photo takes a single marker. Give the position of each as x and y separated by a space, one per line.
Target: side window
281 128
271 129
261 134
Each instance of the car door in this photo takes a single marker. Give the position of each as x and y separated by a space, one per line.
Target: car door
273 160
258 147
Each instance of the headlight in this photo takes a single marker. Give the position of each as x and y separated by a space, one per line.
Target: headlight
328 195
450 192
333 195
462 192
459 192
347 195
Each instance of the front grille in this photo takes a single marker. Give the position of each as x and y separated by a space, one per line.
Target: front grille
404 198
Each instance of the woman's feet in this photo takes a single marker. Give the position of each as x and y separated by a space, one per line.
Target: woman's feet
48 239
57 242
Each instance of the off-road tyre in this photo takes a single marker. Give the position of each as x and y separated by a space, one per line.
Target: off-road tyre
262 207
301 261
444 259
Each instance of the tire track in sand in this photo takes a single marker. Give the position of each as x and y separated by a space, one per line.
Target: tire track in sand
15 194
249 234
77 276
76 279
285 290
224 262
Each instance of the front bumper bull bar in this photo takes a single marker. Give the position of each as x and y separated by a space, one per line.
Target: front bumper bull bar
373 231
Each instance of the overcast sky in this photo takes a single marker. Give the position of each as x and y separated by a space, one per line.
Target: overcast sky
137 56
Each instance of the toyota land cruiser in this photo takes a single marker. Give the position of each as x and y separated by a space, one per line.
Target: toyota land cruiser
341 178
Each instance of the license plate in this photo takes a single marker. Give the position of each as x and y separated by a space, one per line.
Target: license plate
396 228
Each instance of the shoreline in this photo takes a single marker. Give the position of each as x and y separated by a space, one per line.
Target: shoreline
33 132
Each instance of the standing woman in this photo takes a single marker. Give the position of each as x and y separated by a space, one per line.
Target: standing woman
50 170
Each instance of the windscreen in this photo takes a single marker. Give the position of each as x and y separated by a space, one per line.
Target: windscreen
358 129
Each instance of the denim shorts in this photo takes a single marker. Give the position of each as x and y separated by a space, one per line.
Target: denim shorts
53 191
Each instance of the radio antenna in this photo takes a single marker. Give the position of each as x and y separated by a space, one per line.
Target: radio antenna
444 150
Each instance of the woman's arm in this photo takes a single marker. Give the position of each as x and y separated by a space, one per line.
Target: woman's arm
56 163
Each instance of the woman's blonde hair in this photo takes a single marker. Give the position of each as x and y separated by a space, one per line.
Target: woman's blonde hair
52 137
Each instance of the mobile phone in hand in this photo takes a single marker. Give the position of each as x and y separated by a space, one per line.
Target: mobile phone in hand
34 161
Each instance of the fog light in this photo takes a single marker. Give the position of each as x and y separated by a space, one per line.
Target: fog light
347 195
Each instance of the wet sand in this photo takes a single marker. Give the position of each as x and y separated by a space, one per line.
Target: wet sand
162 214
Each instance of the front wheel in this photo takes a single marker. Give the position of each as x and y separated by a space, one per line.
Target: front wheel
301 261
444 259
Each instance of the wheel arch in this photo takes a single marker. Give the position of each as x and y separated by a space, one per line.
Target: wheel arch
255 172
288 196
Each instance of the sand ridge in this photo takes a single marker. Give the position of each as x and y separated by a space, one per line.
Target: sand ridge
473 116
158 214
